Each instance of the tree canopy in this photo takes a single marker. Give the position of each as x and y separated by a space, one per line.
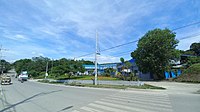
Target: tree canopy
154 50
122 60
4 66
196 48
37 65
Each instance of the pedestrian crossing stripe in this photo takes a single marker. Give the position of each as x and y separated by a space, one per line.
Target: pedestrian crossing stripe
142 102
122 106
138 105
122 102
143 99
90 109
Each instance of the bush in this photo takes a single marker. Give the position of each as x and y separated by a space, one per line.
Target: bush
62 77
39 77
120 76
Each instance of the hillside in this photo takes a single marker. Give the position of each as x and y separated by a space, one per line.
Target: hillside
191 74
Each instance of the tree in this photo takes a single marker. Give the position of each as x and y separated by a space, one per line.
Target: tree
154 51
196 48
122 60
4 66
36 66
22 65
128 65
109 71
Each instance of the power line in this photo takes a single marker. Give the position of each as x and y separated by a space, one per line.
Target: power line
119 45
191 36
186 37
138 40
85 55
122 53
186 26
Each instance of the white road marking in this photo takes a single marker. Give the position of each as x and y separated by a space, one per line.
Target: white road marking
124 107
75 111
90 109
142 102
142 99
106 108
135 104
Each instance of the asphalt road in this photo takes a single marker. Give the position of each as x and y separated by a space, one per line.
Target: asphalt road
32 96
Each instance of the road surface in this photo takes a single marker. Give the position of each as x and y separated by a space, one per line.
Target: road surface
32 96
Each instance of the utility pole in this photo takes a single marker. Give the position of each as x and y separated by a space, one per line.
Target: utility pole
46 74
96 52
1 64
51 65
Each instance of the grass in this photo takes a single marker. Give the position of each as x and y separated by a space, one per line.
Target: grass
191 74
145 86
85 77
92 77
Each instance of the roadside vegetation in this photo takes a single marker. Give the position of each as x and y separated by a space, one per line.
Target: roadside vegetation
191 69
145 86
4 66
153 54
154 50
87 77
191 74
62 68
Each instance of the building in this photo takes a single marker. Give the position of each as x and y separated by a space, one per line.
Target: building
100 68
119 67
134 68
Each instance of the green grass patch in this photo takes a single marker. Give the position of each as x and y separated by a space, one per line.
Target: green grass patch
145 86
86 77
191 74
92 77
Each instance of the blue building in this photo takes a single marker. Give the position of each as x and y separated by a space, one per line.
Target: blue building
100 68
134 68
119 68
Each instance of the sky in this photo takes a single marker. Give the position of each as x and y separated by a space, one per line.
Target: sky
67 28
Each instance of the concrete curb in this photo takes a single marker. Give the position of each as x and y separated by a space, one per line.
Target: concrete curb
108 89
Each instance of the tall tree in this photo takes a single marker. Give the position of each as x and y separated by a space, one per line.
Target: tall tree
154 51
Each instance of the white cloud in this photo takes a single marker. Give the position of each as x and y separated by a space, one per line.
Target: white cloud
185 43
108 59
67 28
16 37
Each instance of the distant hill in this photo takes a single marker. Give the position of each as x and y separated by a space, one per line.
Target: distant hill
191 74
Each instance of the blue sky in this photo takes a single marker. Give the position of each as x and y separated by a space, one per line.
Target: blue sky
66 28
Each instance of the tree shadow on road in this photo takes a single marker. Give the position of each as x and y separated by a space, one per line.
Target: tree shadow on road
36 95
